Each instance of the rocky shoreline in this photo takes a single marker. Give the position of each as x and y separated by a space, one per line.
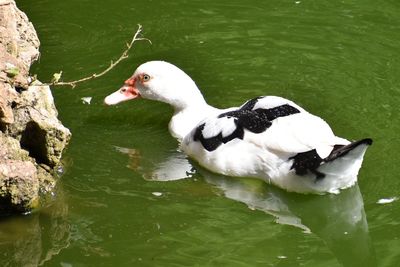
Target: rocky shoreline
32 138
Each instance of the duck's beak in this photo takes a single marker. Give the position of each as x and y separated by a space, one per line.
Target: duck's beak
127 92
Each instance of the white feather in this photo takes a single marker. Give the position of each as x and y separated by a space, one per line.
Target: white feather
215 126
268 102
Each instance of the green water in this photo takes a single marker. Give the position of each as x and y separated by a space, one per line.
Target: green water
338 59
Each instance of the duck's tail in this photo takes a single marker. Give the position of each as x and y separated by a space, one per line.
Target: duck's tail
341 150
345 160
337 171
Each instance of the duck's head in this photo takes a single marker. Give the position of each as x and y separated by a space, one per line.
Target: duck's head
161 81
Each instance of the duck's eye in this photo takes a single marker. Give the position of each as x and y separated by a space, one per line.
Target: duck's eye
146 77
123 90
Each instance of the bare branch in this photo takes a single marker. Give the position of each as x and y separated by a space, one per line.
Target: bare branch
123 56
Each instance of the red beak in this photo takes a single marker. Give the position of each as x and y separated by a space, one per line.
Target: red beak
127 92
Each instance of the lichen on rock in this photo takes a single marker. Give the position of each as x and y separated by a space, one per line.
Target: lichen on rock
32 138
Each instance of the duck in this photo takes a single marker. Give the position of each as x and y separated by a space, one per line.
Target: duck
268 137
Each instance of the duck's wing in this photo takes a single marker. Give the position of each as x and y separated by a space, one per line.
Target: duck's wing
270 122
300 132
296 132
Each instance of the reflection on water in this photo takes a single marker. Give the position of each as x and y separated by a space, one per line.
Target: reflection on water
35 239
175 167
339 220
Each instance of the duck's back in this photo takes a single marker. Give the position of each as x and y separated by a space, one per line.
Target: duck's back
270 138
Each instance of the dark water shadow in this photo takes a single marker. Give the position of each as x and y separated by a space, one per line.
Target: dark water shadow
34 239
338 220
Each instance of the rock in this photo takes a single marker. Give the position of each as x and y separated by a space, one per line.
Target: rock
19 42
8 96
10 149
19 185
37 128
32 138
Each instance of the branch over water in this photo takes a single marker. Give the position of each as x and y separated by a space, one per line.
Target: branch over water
136 37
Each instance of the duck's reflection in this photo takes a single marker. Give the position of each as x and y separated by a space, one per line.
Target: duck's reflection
175 167
339 220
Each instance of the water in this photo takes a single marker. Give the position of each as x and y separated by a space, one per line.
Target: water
112 207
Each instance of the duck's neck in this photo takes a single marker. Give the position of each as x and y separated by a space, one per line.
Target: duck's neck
186 117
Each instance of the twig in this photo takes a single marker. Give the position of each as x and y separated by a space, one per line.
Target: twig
123 56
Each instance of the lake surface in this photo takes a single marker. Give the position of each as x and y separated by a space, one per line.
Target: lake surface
113 207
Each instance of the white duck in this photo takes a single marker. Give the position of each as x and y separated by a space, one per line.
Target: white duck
269 137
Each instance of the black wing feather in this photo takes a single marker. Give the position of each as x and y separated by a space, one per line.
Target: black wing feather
256 121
